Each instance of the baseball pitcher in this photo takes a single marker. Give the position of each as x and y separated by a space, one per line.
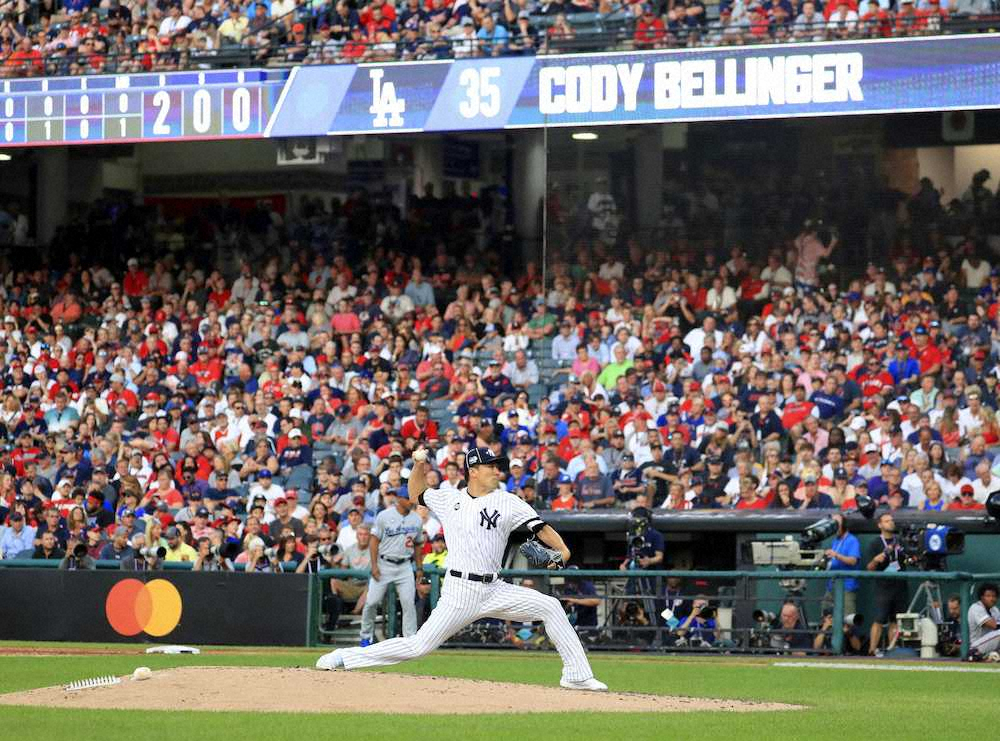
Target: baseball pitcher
477 522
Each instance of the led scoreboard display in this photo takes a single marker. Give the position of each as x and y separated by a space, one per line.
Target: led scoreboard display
761 81
145 107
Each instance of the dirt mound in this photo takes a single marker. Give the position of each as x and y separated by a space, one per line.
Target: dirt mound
310 691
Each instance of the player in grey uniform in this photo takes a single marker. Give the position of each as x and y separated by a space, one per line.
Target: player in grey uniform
477 523
984 622
394 547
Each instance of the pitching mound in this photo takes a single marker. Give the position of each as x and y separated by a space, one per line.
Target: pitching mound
311 691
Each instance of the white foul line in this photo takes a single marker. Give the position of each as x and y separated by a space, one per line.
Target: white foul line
888 667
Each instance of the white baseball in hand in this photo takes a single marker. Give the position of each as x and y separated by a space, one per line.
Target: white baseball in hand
420 455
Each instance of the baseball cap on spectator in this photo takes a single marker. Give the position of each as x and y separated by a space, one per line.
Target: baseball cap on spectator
809 479
201 512
840 473
564 480
264 473
516 462
967 490
294 433
172 532
298 28
467 21
921 329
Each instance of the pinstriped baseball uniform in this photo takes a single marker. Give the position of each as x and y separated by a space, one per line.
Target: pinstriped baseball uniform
477 530
396 534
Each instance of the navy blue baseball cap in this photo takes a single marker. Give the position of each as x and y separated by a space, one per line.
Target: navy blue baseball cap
480 456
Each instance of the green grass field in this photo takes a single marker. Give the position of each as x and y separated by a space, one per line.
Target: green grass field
839 704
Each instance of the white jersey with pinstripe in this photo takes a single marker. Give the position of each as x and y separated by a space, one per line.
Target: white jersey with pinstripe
477 528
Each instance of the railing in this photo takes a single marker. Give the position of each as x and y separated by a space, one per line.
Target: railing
588 32
734 595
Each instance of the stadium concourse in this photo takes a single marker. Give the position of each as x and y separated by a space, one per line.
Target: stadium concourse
125 36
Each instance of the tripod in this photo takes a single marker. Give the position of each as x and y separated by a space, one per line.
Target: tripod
930 592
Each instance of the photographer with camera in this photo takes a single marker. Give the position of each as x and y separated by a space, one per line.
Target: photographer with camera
984 623
886 554
319 555
646 545
77 558
212 558
698 628
143 557
789 631
853 636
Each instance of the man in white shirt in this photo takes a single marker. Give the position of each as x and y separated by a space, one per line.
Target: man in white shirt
174 22
565 343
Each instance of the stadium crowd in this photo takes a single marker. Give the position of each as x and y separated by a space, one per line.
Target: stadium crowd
274 396
120 36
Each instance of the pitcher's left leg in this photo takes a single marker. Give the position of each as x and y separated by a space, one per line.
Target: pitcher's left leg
509 602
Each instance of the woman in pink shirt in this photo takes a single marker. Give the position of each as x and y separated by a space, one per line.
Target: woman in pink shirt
345 321
584 362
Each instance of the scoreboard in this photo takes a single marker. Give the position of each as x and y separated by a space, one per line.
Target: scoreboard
133 108
766 81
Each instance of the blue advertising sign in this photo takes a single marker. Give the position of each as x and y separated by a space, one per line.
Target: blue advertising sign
773 81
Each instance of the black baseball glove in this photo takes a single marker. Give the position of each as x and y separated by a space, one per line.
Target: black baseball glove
540 557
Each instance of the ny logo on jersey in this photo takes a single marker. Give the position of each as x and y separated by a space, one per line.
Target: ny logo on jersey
386 107
488 521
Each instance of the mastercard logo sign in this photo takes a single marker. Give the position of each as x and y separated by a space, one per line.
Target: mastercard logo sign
134 607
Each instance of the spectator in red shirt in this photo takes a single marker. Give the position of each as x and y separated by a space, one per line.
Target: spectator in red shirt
925 352
136 281
875 21
420 428
796 409
207 369
649 30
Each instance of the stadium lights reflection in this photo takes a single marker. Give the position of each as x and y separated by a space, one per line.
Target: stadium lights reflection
584 136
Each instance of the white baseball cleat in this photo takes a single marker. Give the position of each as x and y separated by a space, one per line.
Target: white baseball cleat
591 685
331 661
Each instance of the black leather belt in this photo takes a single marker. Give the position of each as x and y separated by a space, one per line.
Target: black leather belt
396 561
484 578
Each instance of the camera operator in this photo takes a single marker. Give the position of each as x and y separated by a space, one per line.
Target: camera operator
142 558
698 628
646 545
210 558
844 554
789 632
315 560
350 590
77 558
257 560
853 637
950 630
984 623
886 554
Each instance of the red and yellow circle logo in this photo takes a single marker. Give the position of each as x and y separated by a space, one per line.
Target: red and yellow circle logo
133 607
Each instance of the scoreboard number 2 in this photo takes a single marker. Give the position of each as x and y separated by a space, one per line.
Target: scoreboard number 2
482 94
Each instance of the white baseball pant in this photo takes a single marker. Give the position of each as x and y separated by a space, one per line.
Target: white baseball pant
401 575
463 602
987 643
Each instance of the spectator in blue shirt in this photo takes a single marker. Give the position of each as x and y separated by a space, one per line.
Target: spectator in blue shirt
828 402
492 38
17 537
844 554
904 369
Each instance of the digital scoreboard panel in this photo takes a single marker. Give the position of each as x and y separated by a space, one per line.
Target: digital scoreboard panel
769 81
132 108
